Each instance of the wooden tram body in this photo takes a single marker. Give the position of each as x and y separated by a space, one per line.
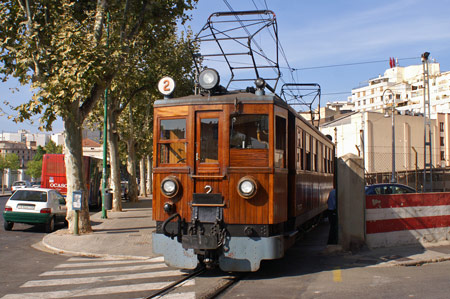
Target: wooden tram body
208 147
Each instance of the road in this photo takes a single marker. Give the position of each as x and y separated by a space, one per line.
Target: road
305 272
29 271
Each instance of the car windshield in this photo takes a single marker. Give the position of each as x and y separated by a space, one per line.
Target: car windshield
19 184
29 195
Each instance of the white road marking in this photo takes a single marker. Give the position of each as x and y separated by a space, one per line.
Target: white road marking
82 280
104 270
187 295
89 259
91 291
101 263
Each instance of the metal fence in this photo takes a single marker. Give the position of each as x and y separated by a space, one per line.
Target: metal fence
409 167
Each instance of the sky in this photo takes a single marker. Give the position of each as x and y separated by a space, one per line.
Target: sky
338 44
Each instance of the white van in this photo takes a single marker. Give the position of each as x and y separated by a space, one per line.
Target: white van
35 206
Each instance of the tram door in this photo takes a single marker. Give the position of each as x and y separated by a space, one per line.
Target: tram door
208 174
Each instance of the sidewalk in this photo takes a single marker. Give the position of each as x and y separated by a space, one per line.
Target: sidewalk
122 234
127 234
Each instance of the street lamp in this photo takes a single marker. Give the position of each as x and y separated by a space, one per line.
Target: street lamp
393 180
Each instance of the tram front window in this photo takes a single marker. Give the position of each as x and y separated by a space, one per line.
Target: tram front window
249 131
172 141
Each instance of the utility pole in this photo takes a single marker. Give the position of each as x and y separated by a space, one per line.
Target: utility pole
105 132
427 164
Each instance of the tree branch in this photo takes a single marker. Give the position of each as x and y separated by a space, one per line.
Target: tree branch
139 22
133 94
99 17
96 93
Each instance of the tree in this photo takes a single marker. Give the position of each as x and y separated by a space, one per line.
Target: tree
60 48
52 148
34 167
10 161
173 58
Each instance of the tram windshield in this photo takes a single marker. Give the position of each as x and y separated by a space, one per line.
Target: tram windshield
249 131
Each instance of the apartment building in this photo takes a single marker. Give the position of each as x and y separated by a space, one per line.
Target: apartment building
403 86
369 135
25 151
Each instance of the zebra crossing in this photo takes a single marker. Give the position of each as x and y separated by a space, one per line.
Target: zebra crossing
104 278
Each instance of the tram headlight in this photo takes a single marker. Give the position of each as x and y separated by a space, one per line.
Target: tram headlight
247 187
170 186
209 79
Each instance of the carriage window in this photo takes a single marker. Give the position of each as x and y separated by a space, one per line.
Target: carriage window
280 144
308 151
250 131
172 141
209 144
300 160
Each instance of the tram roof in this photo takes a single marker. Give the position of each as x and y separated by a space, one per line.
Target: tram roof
228 98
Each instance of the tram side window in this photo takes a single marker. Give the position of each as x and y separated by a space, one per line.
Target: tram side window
308 151
300 160
280 142
249 131
172 141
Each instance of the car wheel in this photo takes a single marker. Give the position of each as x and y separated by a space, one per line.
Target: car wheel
8 225
50 225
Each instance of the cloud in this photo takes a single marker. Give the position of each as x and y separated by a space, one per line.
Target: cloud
363 33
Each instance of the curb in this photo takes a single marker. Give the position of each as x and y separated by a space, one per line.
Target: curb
89 254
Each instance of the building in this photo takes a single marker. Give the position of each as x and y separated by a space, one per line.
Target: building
330 112
25 136
24 151
92 149
369 135
405 85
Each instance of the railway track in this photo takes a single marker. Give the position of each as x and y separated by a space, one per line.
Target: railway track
217 289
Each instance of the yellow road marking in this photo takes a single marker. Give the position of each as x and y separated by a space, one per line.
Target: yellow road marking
337 275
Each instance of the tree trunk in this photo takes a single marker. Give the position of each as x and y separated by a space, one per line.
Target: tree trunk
149 174
131 168
113 144
142 188
73 158
131 160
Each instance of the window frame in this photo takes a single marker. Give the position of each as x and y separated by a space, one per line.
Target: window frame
161 142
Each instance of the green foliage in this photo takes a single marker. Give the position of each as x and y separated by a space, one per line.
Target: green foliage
34 168
61 49
52 148
9 161
40 151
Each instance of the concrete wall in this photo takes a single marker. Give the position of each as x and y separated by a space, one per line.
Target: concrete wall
400 219
350 201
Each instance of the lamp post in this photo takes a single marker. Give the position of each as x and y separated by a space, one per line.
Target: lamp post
393 180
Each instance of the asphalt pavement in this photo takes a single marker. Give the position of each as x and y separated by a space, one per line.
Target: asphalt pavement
127 234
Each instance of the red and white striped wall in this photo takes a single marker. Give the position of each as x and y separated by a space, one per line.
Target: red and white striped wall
394 220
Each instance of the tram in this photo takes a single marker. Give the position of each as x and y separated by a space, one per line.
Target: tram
236 174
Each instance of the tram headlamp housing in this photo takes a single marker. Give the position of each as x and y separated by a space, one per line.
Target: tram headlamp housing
209 79
170 186
247 187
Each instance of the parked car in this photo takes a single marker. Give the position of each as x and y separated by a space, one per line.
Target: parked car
36 184
35 206
388 188
20 184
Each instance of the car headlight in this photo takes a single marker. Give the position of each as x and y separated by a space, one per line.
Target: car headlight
170 186
247 187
